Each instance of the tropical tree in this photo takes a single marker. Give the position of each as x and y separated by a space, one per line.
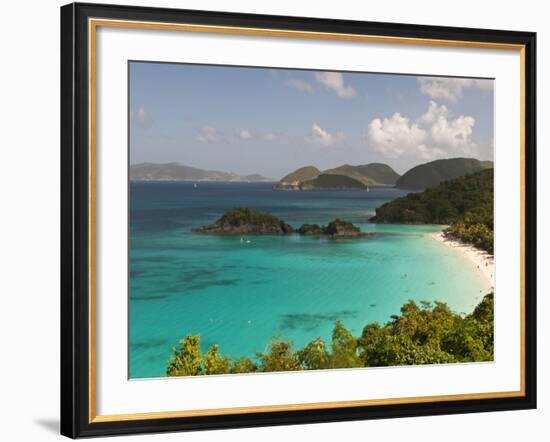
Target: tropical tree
187 359
344 348
315 356
424 333
279 357
214 363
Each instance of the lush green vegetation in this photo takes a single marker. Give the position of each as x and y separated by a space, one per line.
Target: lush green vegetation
466 203
244 220
344 176
433 173
246 215
302 174
247 220
445 204
476 228
422 334
330 181
341 227
373 173
336 228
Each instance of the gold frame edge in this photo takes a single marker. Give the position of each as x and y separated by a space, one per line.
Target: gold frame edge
93 23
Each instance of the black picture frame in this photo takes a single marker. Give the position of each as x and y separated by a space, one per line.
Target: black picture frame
75 219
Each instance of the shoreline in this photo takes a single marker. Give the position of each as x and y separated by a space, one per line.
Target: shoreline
483 262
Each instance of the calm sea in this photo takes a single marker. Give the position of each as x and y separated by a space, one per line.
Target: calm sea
240 294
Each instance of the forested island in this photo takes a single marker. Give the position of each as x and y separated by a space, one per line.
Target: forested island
422 334
464 203
422 176
244 220
338 178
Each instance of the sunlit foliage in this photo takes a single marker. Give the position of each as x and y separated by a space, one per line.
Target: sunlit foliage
425 333
466 203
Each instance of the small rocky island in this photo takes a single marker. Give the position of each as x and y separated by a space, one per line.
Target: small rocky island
243 220
335 229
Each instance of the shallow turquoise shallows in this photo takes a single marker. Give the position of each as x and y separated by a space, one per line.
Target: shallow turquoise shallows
240 294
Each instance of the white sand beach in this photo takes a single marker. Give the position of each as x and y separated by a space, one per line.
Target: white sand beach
482 261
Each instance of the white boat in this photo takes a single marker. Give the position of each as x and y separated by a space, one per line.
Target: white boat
195 185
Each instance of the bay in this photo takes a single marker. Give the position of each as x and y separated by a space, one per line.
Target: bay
240 293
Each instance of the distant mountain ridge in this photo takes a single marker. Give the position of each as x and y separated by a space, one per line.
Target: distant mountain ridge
345 176
181 172
435 172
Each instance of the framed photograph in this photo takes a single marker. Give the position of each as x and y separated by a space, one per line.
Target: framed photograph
274 220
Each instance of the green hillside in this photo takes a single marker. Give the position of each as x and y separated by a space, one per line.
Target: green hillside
431 174
329 181
465 202
374 173
381 173
366 174
303 174
351 172
294 180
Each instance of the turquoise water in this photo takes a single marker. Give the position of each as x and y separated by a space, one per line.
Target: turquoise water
242 294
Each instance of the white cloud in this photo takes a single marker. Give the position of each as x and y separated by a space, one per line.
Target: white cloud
451 89
322 137
303 86
430 153
433 135
140 116
455 135
433 113
208 134
245 134
335 82
395 136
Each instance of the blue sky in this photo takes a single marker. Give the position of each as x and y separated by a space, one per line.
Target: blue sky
272 121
